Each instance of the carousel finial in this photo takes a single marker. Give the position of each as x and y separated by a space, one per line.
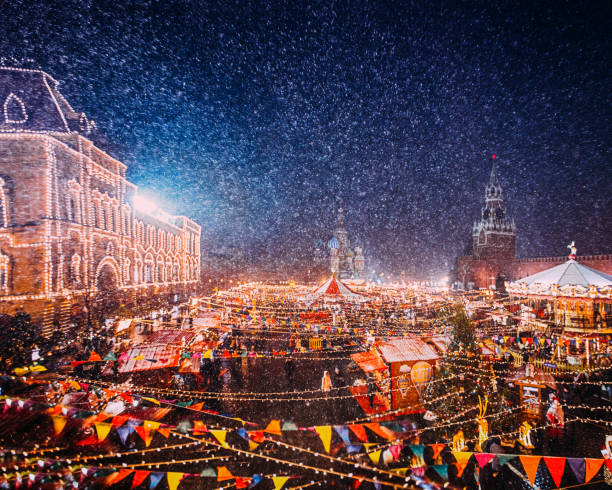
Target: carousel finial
572 247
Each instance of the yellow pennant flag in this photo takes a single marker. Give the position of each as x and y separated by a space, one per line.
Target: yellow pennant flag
174 478
462 460
279 481
253 445
220 436
59 423
152 400
151 425
375 456
102 430
325 433
207 354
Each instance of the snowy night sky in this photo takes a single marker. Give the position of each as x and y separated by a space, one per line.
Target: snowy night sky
260 119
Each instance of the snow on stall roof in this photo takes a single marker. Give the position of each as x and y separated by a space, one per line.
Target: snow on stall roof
569 273
406 350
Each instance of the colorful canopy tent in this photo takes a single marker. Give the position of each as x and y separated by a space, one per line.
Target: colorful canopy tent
334 290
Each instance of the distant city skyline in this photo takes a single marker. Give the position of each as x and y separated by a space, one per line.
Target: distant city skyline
261 120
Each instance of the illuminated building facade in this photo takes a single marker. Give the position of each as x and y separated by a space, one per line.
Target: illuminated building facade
493 259
72 227
345 262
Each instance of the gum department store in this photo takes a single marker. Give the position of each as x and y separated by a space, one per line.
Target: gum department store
71 232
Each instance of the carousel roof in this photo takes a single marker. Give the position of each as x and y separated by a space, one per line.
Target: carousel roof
568 279
334 289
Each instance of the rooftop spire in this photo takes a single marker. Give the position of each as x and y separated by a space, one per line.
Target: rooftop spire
340 218
493 179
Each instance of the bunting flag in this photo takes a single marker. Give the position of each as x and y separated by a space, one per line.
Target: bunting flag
164 431
197 406
274 428
224 474
578 466
152 400
94 356
483 458
119 420
437 449
256 435
209 471
417 450
145 434
442 470
59 423
381 430
124 431
375 456
174 478
359 431
358 480
242 482
220 435
255 479
325 433
504 459
199 428
592 468
395 451
117 477
152 426
110 356
289 425
556 467
139 477
530 465
155 479
253 445
462 460
102 430
279 481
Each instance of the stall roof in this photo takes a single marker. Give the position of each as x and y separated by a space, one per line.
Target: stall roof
147 357
406 350
174 336
369 361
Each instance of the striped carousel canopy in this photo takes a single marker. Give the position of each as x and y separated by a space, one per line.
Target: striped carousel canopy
570 279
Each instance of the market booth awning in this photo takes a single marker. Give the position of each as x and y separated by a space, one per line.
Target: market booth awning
162 350
406 350
368 361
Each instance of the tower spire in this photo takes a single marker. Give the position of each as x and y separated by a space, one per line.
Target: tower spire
493 178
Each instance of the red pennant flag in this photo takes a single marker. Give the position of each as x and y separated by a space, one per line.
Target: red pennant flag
437 449
119 420
592 468
483 458
145 434
126 396
164 431
530 465
198 406
357 482
242 482
359 431
117 477
139 477
382 431
556 467
256 435
76 363
94 356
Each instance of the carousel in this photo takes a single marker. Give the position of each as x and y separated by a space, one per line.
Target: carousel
578 300
334 291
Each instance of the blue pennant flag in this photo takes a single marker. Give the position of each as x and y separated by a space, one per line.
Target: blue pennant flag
124 431
155 478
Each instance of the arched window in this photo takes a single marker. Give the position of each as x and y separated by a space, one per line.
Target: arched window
14 110
102 217
112 220
71 209
94 215
126 268
75 268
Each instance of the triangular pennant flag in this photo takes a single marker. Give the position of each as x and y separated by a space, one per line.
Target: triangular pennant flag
110 356
343 432
556 467
530 465
102 430
174 478
353 448
442 470
592 467
155 479
437 449
395 451
381 430
124 431
256 435
578 466
503 459
375 456
242 482
274 428
209 471
462 458
483 458
220 435
139 477
417 450
253 445
357 482
197 406
359 431
145 434
255 479
279 481
152 426
117 477
94 356
223 474
59 423
325 433
164 431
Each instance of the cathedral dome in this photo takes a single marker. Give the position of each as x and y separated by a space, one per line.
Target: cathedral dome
333 244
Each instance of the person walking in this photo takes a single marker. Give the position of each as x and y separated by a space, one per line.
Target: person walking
289 368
